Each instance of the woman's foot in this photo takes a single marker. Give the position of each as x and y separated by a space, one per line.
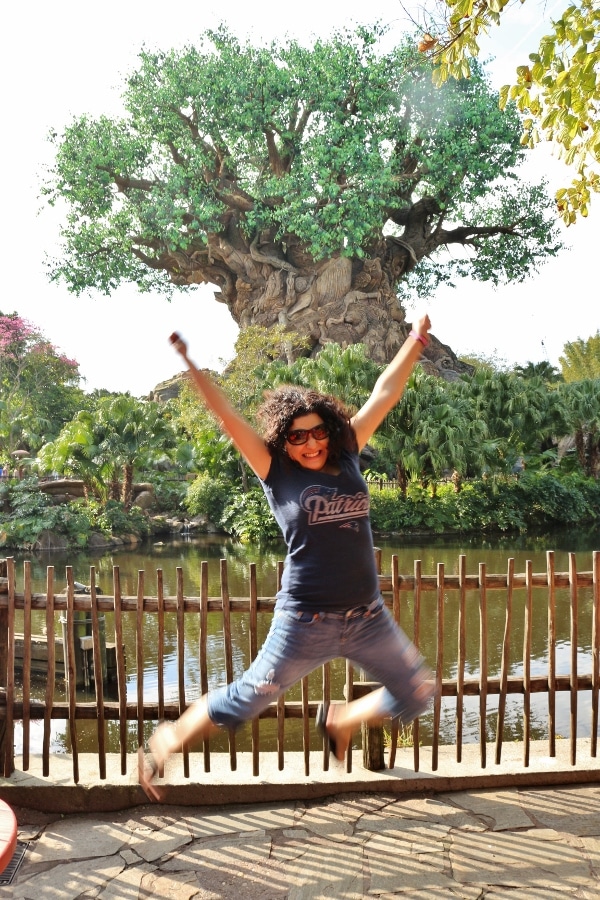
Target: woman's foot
151 765
147 772
339 735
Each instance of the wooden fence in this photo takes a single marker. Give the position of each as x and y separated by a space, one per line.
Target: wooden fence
470 596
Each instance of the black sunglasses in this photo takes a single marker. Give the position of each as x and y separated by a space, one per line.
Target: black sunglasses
300 435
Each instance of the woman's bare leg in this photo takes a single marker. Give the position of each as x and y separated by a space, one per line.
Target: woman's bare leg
169 738
344 720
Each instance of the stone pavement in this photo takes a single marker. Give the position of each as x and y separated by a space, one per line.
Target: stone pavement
503 844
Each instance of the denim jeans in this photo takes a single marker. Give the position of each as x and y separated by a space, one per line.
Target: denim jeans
299 642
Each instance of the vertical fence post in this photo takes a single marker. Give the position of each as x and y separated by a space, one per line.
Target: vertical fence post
550 575
71 672
253 626
139 657
181 661
505 664
416 638
3 650
51 644
439 667
574 633
461 654
595 650
372 735
26 662
483 664
202 650
527 628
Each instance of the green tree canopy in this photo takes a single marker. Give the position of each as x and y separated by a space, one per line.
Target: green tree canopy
557 89
307 184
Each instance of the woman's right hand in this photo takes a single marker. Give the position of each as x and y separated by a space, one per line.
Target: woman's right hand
178 343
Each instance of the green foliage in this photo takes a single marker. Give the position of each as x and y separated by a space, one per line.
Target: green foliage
257 350
247 516
550 500
105 446
39 387
207 496
346 373
520 414
557 91
581 403
533 501
115 519
544 370
486 363
417 512
169 491
31 512
581 359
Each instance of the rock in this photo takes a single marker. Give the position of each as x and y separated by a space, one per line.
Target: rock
99 541
169 389
50 540
160 525
144 500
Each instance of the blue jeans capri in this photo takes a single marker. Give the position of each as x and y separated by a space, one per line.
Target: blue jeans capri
299 642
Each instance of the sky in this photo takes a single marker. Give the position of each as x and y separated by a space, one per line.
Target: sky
66 58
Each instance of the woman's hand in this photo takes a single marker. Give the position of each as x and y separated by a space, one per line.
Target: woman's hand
422 325
178 343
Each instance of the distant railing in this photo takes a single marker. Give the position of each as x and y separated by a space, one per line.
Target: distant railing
469 591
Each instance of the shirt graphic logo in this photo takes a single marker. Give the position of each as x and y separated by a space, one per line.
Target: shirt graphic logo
325 505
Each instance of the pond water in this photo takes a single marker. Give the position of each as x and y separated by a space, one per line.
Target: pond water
187 553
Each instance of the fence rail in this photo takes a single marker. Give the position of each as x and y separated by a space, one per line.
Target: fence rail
468 593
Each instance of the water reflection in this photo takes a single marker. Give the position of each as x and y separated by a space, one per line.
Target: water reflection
188 553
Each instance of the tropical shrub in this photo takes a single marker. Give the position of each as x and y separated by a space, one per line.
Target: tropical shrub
247 516
207 496
115 519
31 512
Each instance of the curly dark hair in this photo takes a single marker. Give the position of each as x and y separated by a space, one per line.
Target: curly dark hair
282 405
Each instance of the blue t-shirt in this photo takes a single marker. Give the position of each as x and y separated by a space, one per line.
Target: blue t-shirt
324 519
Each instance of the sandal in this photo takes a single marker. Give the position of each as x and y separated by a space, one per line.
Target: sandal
147 772
321 723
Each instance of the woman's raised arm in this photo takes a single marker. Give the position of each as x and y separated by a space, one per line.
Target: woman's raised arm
246 439
390 385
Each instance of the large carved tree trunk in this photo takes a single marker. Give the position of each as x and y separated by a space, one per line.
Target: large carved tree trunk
341 300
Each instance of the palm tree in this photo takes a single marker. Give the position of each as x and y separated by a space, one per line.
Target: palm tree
544 370
75 452
105 446
581 401
132 429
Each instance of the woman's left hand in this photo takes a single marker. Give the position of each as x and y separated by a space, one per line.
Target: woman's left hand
422 325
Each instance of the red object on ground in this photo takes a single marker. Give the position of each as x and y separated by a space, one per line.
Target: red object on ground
8 834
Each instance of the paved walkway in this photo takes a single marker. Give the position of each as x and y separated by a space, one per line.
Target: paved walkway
510 844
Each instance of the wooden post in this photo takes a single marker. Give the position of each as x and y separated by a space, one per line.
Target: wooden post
439 667
550 574
510 577
3 650
574 641
372 735
595 650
